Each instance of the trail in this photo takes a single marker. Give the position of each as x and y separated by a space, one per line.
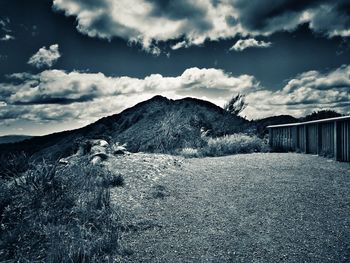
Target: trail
246 208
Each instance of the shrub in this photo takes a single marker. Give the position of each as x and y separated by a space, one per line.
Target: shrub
13 165
113 180
233 144
58 214
190 153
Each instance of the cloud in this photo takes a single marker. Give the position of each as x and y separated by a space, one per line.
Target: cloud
89 96
45 57
243 44
178 45
7 38
5 25
57 96
5 30
303 94
194 21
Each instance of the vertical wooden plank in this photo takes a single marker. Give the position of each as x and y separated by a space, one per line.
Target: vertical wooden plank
296 138
342 141
305 139
319 138
335 136
347 142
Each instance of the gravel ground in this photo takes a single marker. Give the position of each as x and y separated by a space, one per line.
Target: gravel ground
243 208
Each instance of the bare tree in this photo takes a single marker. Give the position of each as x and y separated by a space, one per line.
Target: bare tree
236 104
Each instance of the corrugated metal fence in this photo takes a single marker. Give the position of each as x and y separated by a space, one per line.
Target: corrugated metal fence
328 137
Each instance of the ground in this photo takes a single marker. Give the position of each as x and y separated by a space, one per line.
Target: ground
245 208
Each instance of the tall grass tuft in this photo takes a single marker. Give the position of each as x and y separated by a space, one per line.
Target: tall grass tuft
58 214
234 144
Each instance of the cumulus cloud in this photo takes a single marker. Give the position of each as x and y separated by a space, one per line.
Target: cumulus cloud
303 94
151 21
45 57
89 96
178 45
60 96
7 38
243 44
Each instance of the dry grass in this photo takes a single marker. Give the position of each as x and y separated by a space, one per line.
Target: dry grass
234 144
226 145
59 214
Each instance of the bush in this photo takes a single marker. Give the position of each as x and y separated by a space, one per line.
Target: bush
113 180
58 214
190 153
233 144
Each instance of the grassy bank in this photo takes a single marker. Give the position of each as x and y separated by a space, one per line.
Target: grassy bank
59 214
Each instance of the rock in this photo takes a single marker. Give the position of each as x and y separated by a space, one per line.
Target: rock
119 149
103 156
69 160
97 149
96 160
99 142
63 161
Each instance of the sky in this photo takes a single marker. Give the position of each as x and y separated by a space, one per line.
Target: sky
67 63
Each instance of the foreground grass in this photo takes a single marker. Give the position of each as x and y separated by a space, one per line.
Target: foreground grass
59 214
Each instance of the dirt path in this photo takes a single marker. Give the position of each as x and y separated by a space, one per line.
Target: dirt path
247 208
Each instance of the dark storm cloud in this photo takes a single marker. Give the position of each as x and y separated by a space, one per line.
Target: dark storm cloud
151 21
182 9
256 15
44 99
329 17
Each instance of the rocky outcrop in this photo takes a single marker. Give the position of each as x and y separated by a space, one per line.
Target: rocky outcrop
97 151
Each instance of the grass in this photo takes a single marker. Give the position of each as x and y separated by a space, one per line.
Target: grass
226 145
59 214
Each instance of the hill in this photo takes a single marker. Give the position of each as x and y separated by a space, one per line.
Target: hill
274 120
155 125
13 138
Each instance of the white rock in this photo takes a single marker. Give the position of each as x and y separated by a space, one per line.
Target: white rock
96 160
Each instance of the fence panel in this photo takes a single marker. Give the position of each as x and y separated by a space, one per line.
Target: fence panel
328 137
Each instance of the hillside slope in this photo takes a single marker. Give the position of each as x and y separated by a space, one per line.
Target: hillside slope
13 138
155 125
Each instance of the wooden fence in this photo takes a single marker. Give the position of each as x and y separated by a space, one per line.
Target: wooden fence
327 137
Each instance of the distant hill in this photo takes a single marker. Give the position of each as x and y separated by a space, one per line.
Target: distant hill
14 138
155 125
275 120
319 115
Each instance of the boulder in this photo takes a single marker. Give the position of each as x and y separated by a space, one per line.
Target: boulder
119 149
97 149
96 160
99 142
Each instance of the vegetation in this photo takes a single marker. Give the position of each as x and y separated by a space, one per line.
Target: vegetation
57 213
228 144
190 152
322 114
235 143
236 104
